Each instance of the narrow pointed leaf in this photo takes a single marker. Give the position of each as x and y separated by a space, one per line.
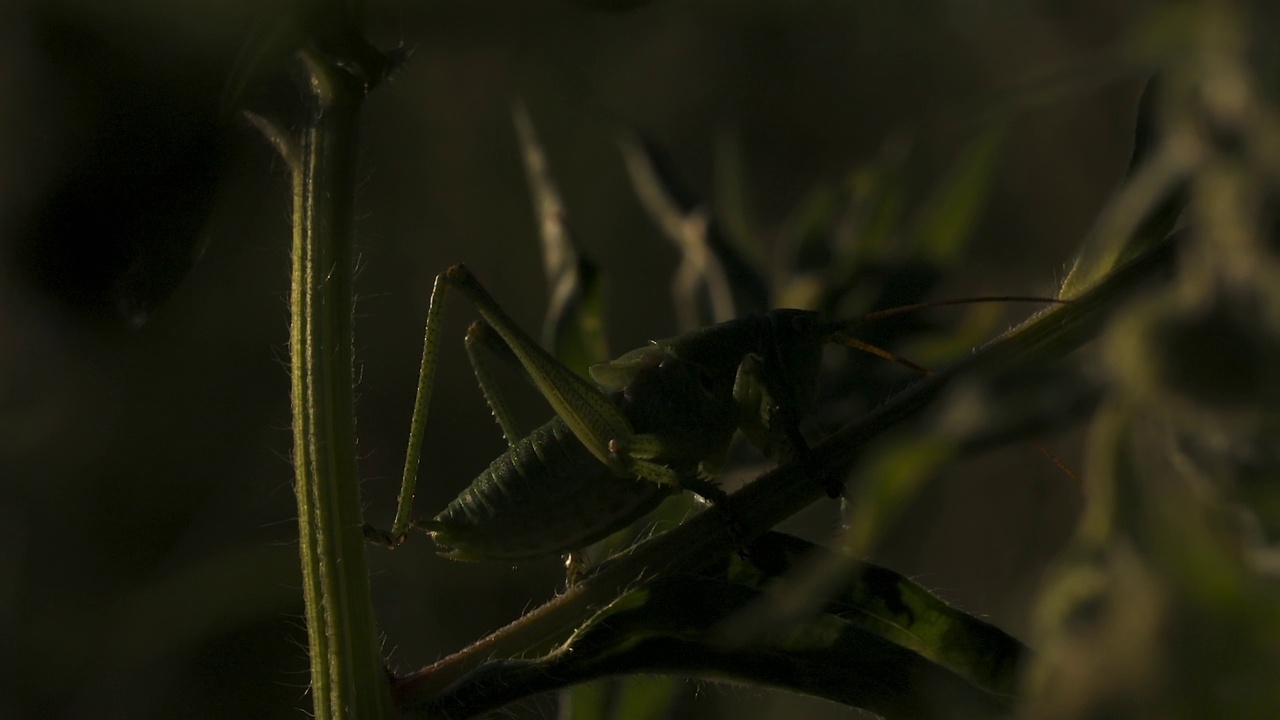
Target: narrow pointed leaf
1145 209
952 213
882 601
574 326
709 264
663 628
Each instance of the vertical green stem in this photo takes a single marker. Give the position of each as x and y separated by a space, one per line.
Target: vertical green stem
347 680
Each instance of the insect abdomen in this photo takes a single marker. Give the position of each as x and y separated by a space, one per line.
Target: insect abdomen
546 495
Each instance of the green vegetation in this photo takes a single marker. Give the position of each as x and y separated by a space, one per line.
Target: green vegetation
1164 602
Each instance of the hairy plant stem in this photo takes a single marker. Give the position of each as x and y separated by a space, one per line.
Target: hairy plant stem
347 680
707 538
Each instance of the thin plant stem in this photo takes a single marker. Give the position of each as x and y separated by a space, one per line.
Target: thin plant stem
347 680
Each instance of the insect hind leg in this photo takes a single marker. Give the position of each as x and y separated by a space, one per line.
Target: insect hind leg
482 335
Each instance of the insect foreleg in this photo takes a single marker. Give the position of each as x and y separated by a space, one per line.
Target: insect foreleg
754 403
639 458
768 417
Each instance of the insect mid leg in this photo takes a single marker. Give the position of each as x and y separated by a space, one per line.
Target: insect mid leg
575 567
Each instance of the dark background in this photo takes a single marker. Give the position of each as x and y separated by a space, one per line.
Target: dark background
148 563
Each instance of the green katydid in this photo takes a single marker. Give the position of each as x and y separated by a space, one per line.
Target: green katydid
656 420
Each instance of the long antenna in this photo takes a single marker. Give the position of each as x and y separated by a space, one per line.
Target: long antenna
839 326
838 329
879 352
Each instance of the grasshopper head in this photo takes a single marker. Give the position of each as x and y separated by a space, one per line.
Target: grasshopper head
683 388
793 354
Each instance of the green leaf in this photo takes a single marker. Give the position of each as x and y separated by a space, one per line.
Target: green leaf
869 265
1143 211
634 697
892 606
882 643
894 477
663 627
644 697
733 203
586 701
807 231
953 210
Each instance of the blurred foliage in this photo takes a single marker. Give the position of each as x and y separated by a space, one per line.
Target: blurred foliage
1226 299
123 224
1166 603
574 328
146 552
